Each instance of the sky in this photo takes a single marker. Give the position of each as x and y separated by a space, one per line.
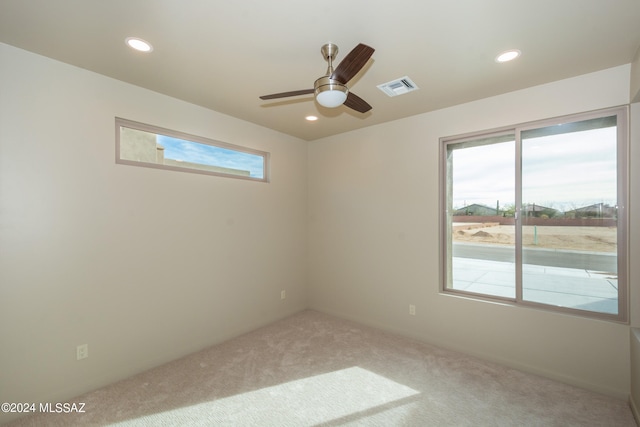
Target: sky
563 172
194 152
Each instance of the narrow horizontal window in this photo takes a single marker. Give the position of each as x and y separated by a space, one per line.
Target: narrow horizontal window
139 144
536 214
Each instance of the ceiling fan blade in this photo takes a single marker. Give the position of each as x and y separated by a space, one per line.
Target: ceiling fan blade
356 103
287 94
352 63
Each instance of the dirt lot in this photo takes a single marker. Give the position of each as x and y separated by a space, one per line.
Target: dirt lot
596 239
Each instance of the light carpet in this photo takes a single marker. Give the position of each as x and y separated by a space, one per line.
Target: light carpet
312 369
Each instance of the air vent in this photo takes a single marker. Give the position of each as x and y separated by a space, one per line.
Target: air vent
398 87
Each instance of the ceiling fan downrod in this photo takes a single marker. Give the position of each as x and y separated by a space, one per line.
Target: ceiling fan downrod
329 52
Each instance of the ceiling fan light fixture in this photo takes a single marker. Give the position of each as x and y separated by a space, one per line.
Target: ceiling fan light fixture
330 93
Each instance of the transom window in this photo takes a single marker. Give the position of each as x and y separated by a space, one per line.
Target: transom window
536 214
139 144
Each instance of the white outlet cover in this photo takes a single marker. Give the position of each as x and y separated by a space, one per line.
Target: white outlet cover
82 351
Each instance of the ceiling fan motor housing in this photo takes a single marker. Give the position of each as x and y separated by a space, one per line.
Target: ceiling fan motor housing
330 93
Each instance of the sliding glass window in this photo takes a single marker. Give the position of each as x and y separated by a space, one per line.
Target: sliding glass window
536 214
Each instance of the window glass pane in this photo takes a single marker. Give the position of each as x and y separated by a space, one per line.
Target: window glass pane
161 148
481 176
179 152
537 215
569 215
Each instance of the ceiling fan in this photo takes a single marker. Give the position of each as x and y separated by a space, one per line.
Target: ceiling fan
331 89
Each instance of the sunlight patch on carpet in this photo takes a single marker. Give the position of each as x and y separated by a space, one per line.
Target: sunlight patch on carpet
308 401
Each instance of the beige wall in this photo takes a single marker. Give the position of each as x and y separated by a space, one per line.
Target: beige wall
634 397
634 209
635 78
143 265
374 247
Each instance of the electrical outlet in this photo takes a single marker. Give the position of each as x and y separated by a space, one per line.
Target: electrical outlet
412 309
283 294
82 351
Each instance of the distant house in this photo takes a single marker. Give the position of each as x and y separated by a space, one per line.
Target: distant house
538 211
476 210
598 210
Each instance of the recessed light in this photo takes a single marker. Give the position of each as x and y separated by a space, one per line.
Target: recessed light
508 55
138 44
311 118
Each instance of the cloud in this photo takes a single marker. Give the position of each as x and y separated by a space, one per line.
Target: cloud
194 152
563 171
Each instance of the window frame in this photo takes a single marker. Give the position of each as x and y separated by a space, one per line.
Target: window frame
622 176
130 124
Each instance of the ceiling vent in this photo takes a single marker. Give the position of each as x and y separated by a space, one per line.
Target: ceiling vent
398 87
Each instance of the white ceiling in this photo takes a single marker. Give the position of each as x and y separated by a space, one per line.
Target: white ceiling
224 54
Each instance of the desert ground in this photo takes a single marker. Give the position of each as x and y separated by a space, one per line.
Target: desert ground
593 239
